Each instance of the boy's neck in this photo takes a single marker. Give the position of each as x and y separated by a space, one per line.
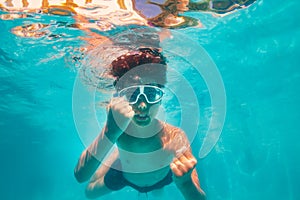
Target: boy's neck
144 131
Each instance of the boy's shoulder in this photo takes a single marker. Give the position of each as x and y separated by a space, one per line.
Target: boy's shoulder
174 138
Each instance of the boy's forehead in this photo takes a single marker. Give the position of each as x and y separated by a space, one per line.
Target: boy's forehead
138 80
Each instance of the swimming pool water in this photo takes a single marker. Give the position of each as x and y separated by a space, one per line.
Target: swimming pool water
257 156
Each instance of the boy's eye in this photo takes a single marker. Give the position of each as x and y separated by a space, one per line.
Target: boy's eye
151 95
131 94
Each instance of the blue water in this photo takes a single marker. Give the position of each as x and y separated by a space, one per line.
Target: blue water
257 156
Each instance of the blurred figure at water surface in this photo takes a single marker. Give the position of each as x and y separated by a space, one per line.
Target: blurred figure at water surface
103 15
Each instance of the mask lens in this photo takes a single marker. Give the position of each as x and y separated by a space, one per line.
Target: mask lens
130 94
153 94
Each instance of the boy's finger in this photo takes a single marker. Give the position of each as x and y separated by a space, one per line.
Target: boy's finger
183 167
130 114
121 105
126 111
183 159
175 170
189 156
188 163
116 100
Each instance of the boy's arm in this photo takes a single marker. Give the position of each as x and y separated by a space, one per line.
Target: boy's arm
90 158
183 165
118 118
186 178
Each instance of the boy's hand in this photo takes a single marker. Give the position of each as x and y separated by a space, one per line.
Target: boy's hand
119 115
183 166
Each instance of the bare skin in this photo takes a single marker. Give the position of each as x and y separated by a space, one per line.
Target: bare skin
137 132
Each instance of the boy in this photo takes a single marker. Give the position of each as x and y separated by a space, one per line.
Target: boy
150 153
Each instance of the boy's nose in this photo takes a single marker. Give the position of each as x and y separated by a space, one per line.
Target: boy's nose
142 105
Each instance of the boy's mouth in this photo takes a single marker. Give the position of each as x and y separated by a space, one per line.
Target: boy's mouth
141 117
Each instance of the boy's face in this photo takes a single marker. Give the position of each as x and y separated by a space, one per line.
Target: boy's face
145 99
144 111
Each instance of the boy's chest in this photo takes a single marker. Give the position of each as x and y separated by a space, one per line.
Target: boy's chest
142 155
139 145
